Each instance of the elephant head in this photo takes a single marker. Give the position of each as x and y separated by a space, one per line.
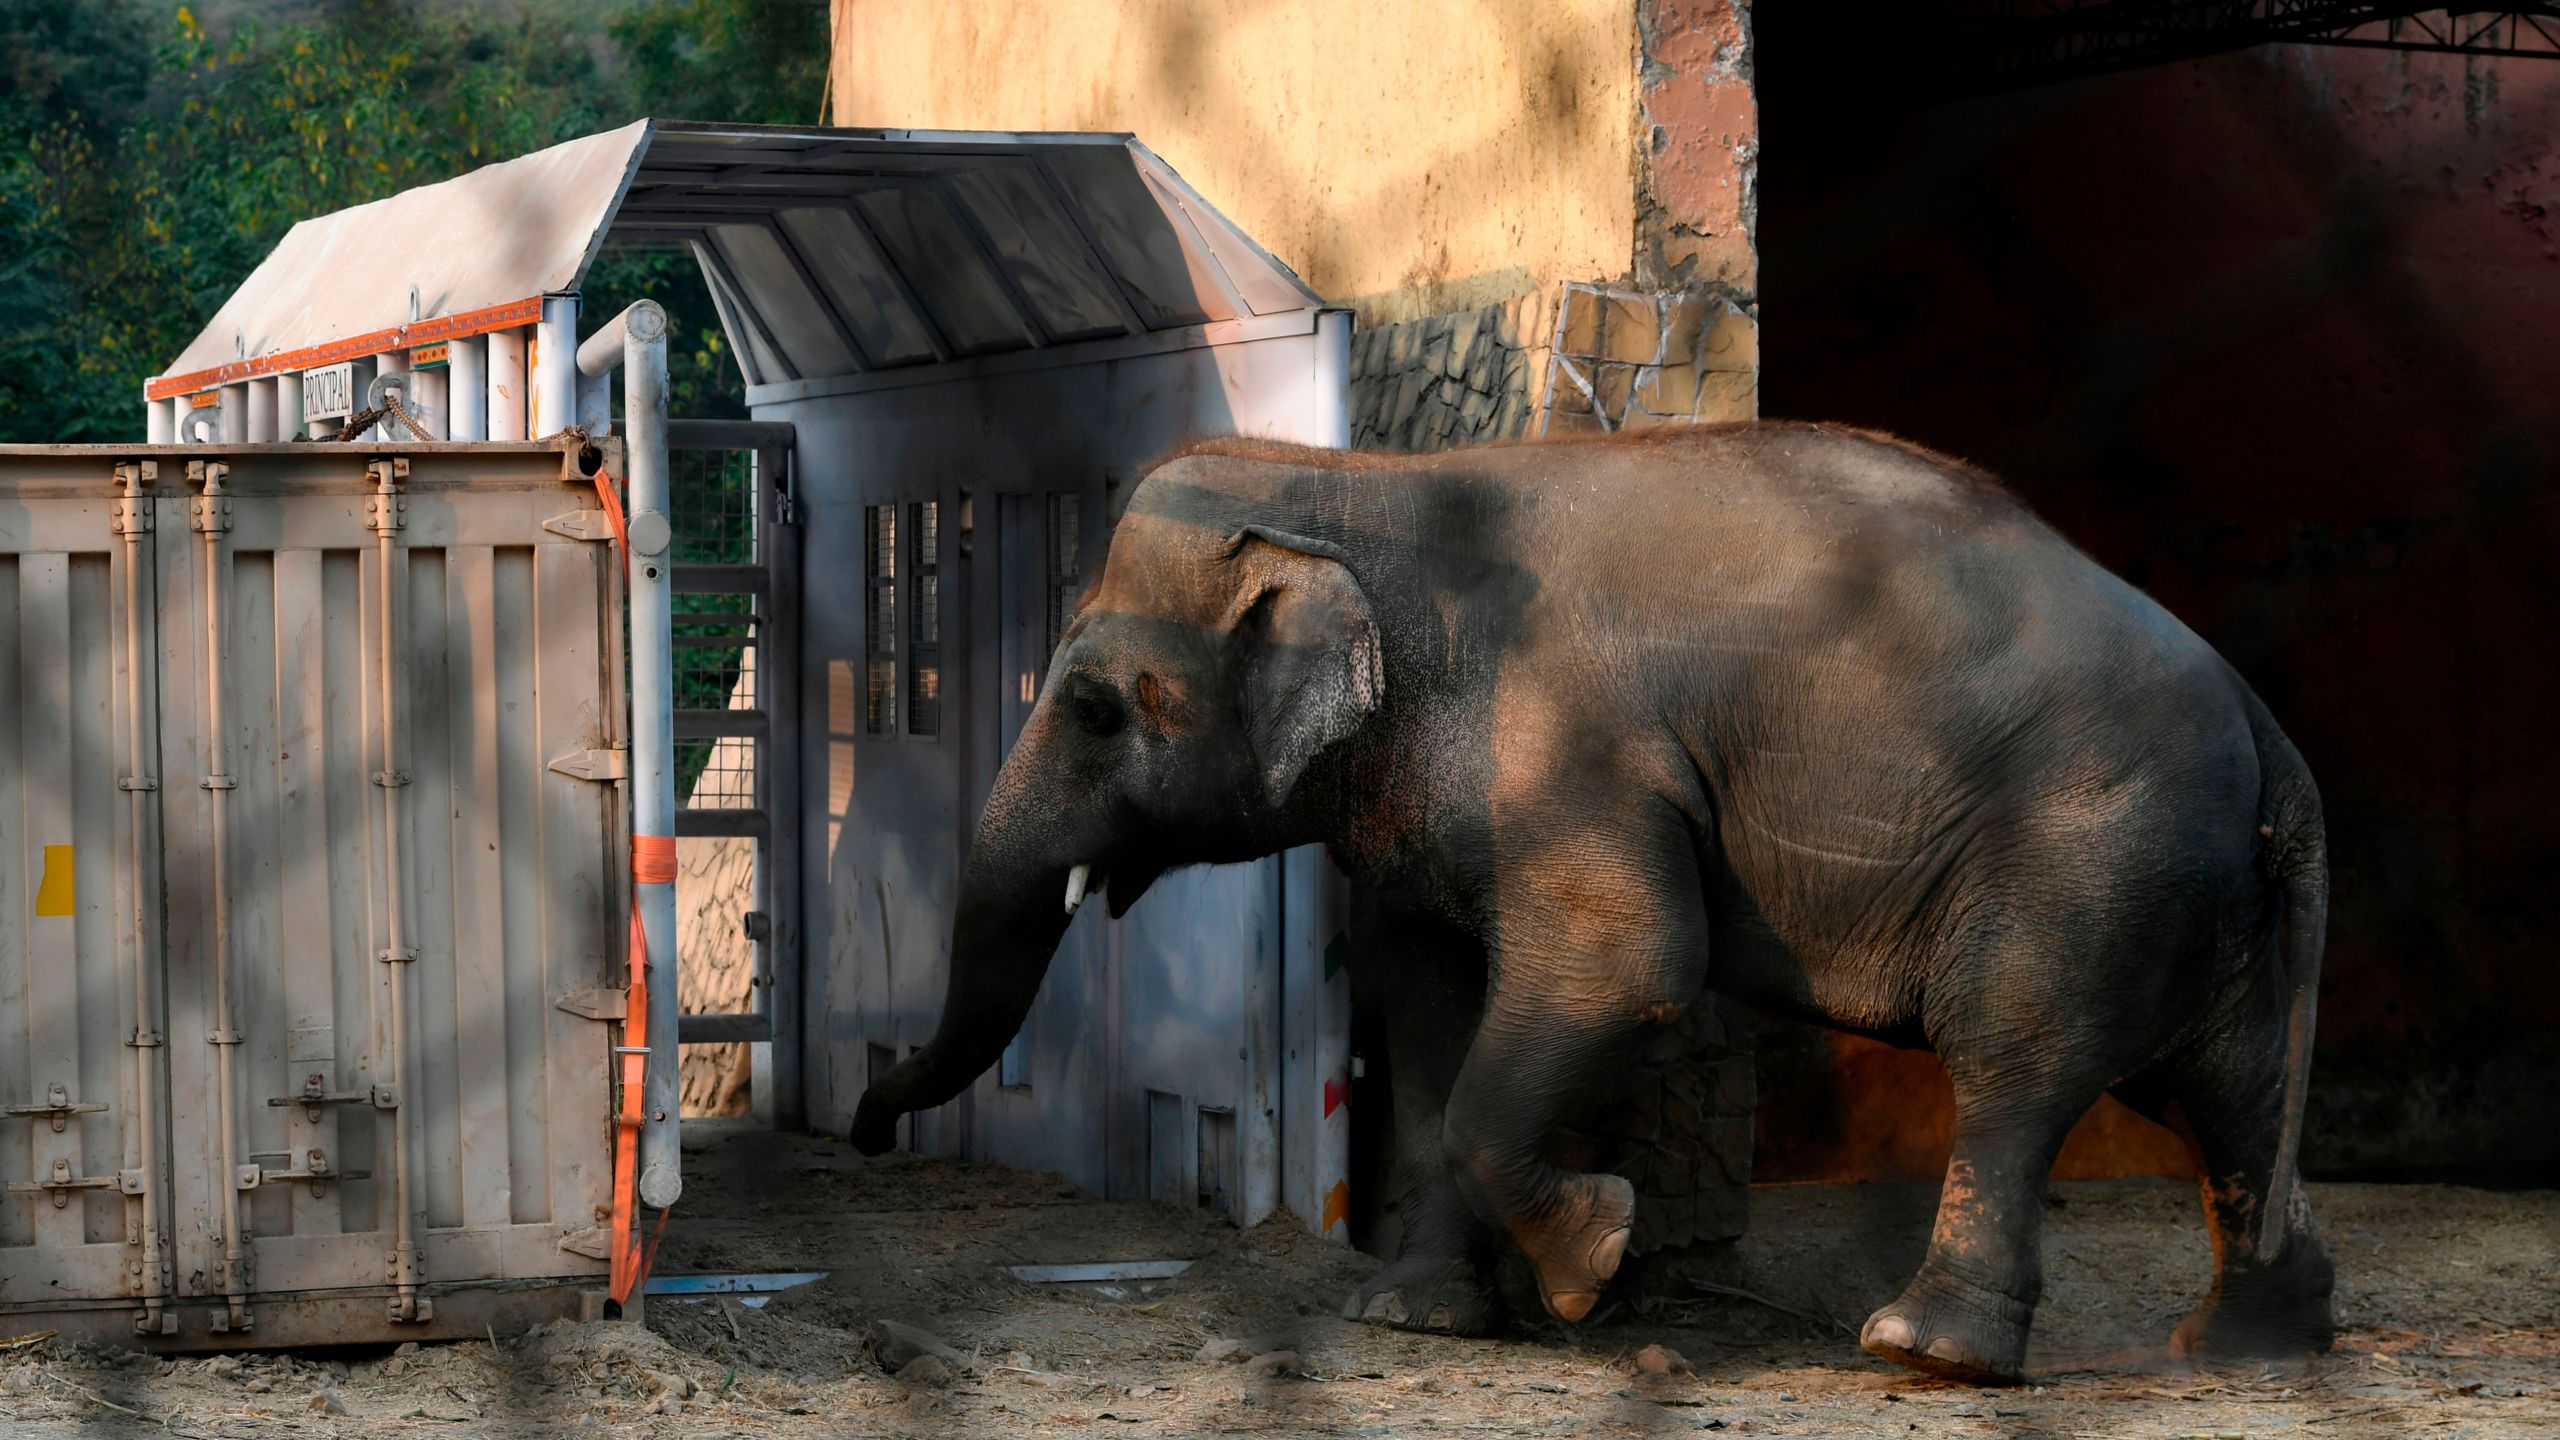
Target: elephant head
1207 671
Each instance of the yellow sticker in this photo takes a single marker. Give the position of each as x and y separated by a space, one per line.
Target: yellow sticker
53 893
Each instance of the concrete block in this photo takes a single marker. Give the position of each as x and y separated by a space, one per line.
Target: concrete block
1668 390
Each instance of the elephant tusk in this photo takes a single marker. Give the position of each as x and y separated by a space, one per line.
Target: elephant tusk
1075 886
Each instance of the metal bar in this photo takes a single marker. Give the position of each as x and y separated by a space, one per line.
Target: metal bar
728 434
778 687
722 724
722 824
653 770
723 1029
213 521
731 1284
467 388
385 517
720 580
1094 1272
133 521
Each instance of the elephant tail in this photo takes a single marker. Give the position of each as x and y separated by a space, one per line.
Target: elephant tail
2296 856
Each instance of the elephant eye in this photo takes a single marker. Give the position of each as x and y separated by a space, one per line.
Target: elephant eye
1097 709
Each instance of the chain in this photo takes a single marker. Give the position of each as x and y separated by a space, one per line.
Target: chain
391 398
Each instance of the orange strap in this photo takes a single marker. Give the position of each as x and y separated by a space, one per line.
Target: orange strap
653 862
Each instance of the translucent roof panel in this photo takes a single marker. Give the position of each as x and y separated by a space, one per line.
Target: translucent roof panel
830 252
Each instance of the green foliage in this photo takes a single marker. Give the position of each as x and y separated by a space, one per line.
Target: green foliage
147 164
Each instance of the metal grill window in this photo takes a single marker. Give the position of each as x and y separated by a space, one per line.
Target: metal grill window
924 659
880 649
1066 563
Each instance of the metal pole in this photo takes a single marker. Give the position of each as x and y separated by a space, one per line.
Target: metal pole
386 518
235 414
506 404
159 421
643 330
467 389
555 367
132 522
212 520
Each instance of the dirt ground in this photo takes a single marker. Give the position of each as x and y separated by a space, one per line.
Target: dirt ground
2449 1301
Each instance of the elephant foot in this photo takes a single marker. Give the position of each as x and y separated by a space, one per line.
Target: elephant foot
1443 1296
1954 1330
2278 1311
1577 1246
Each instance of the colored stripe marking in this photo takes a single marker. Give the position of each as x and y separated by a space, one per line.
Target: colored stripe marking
1337 1206
1337 1093
54 894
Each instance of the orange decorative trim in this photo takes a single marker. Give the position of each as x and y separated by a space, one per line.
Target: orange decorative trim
378 342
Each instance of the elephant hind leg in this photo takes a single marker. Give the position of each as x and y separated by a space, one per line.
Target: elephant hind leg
2273 1305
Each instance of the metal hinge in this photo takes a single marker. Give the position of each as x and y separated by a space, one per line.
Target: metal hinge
58 1108
315 1169
62 1182
597 1002
595 1242
316 1094
590 525
601 766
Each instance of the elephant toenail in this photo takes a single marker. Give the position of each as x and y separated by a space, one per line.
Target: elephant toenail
1386 1305
1570 1306
1945 1348
1889 1331
1439 1319
1605 1255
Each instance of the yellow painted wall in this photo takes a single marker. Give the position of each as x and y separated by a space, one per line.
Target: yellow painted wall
1409 159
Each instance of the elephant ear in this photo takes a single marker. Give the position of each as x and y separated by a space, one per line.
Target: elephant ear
1308 651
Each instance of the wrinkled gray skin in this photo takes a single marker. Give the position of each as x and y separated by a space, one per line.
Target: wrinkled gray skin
1812 717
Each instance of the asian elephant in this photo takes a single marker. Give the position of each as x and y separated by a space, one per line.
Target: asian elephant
1810 716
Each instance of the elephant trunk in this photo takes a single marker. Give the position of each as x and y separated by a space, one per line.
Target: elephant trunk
1013 909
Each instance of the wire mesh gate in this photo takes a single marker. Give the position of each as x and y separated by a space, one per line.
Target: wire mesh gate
736 666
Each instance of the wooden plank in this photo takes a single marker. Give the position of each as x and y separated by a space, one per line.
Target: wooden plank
434 999
479 936
520 776
304 947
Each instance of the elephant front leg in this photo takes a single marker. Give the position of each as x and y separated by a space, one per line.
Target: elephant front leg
1442 1277
1593 947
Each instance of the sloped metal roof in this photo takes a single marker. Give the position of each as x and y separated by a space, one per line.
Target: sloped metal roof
829 252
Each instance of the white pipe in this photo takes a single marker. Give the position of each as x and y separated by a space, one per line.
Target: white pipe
426 400
289 405
595 404
555 367
160 421
467 388
389 362
234 427
643 329
506 418
262 412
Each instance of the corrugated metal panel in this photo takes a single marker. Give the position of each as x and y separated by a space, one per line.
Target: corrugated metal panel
834 252
507 636
522 227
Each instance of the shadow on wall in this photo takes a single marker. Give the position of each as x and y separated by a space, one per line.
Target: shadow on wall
2269 334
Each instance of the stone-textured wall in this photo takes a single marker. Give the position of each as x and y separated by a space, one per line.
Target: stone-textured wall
1621 359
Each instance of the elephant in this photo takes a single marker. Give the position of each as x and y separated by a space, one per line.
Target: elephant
1809 716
